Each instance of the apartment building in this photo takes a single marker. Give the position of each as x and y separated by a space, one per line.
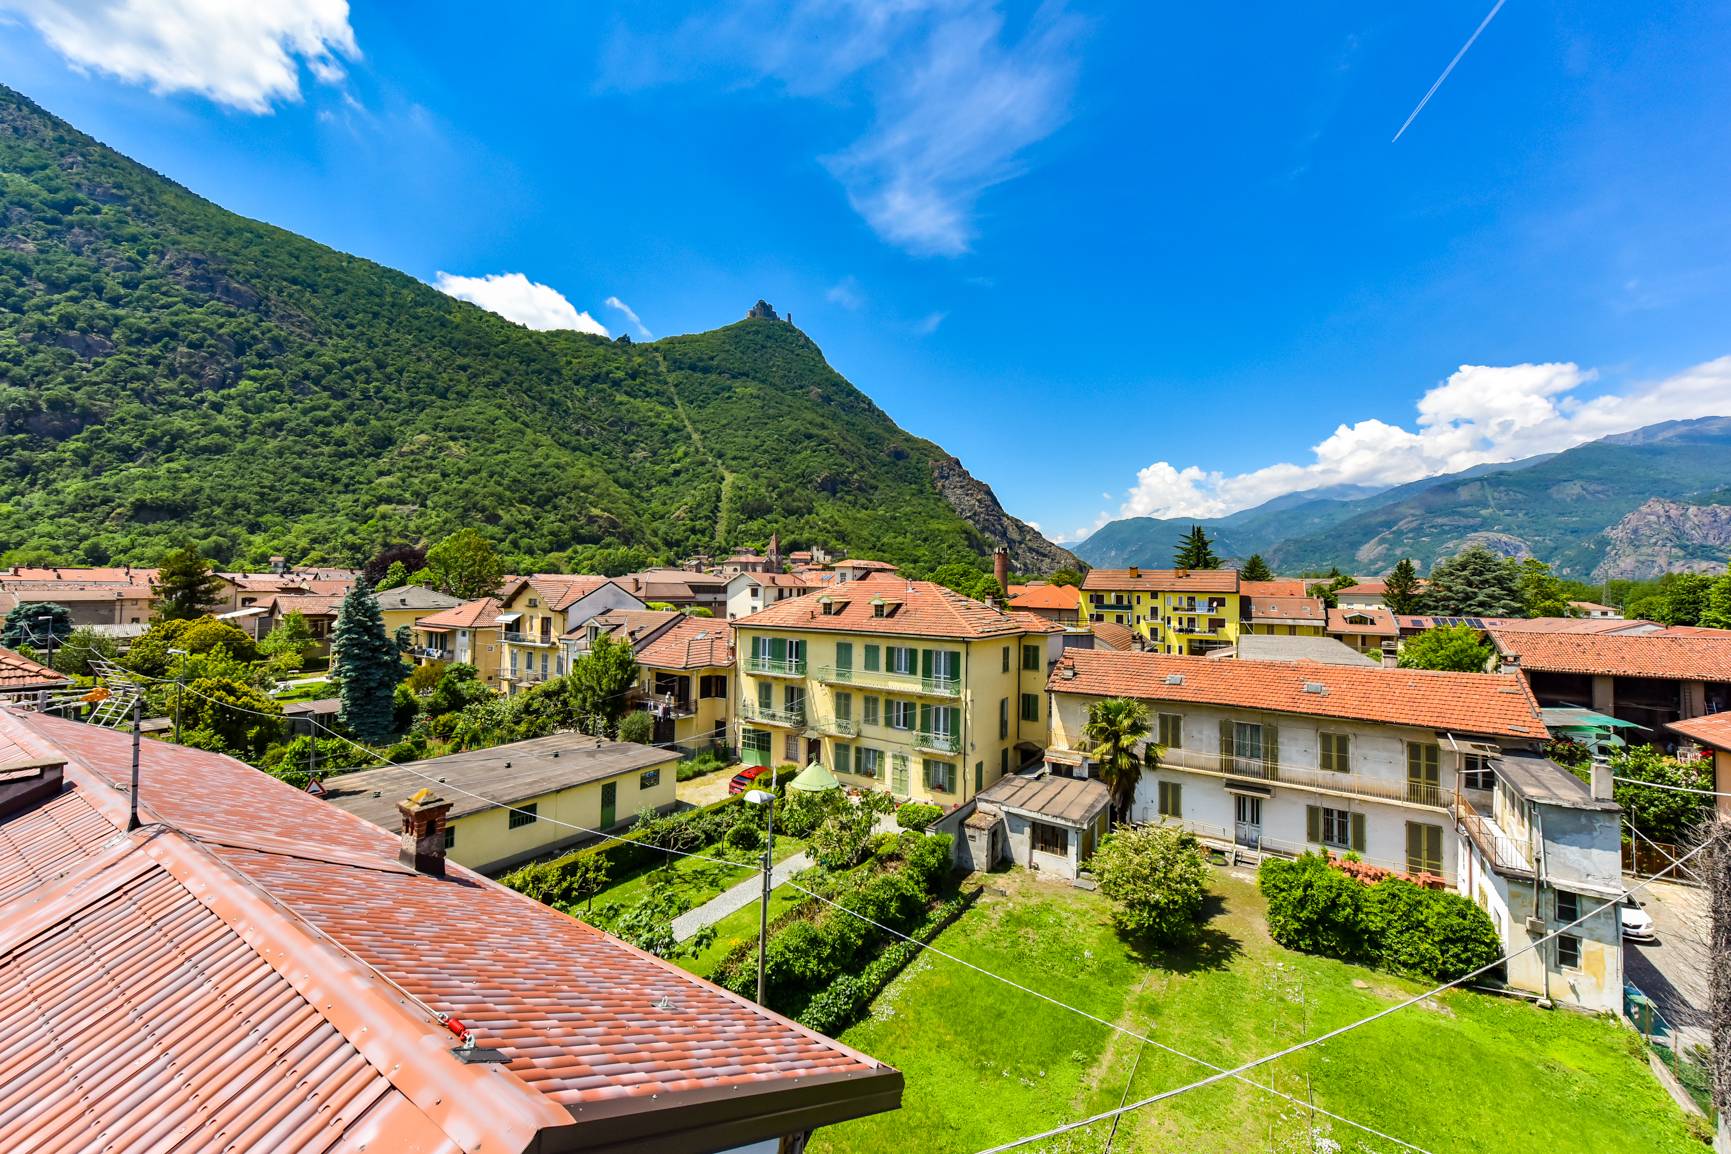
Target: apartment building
685 673
1179 611
468 633
894 684
537 615
118 595
747 593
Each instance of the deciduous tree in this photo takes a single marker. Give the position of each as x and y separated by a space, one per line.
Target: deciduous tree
465 565
1460 648
1157 881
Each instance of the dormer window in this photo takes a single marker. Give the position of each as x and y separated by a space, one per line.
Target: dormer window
878 607
827 606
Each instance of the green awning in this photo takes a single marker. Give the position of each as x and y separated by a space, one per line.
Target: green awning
814 778
1567 717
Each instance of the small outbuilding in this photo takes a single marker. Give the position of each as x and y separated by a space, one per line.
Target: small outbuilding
1039 820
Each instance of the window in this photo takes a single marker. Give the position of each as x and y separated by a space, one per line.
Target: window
872 662
844 707
871 710
942 719
1568 907
899 659
901 714
450 836
1049 838
843 759
899 774
1006 659
1423 848
765 695
521 816
1003 761
754 741
844 655
940 776
1030 707
790 748
1172 730
1003 718
866 765
1339 828
1476 772
979 776
1171 799
1335 750
649 779
941 665
1568 951
1031 657
712 685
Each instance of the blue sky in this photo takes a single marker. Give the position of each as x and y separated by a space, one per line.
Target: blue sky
1119 258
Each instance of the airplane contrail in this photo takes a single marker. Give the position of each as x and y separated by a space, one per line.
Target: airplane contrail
1483 24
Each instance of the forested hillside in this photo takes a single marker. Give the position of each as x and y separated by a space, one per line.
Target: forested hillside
171 372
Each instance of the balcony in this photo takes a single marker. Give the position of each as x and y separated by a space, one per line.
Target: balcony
1505 854
840 726
776 666
1304 777
933 742
894 682
662 704
1111 607
536 639
792 718
429 653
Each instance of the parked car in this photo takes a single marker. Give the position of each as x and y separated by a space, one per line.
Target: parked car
1637 922
743 779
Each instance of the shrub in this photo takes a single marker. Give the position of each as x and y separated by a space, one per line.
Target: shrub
637 727
917 815
844 1001
1314 909
1157 880
703 763
745 834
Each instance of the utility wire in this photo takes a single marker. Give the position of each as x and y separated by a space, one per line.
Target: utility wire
1673 788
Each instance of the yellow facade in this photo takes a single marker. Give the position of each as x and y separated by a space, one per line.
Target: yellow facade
1283 628
926 718
488 841
478 647
1167 620
529 651
692 707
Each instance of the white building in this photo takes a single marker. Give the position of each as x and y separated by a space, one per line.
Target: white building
749 592
1283 757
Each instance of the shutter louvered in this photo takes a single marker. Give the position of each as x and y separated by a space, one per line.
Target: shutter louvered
1226 747
1313 824
1358 832
1271 751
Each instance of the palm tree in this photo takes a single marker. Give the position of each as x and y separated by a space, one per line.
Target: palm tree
1116 725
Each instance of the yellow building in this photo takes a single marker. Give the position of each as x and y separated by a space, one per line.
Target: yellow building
468 633
1172 610
685 682
1284 616
536 615
894 684
404 606
536 792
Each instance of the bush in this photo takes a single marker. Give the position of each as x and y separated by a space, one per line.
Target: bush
703 763
637 727
845 1000
745 834
917 814
1314 909
1157 880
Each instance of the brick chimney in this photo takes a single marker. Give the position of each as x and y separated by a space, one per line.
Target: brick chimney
24 783
1001 567
423 847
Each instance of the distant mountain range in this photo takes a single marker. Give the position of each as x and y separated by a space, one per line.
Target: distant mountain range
1631 505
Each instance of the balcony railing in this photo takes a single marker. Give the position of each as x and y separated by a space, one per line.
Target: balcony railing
902 682
1351 784
776 666
937 742
1505 854
841 726
794 717
429 652
663 704
513 638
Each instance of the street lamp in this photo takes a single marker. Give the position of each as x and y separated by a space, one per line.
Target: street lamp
179 680
766 799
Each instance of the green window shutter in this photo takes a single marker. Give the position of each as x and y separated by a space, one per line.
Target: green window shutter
925 718
1313 823
871 659
778 648
1003 718
844 655
1271 750
979 776
926 771
1225 744
926 664
843 759
1177 791
844 706
1006 659
1358 832
764 697
1414 847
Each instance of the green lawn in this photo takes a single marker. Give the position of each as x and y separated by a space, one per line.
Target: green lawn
312 691
986 1063
741 925
695 879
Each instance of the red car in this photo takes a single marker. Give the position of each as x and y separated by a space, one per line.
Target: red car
743 779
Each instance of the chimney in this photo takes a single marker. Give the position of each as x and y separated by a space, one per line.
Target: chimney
26 782
1602 785
1001 567
1135 572
423 846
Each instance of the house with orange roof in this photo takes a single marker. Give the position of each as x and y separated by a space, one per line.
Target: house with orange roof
1371 630
1439 776
896 685
466 633
536 615
1652 678
106 595
1058 603
24 679
1172 610
1281 615
748 592
1712 735
685 682
247 967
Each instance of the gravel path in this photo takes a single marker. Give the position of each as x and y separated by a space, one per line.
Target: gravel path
737 898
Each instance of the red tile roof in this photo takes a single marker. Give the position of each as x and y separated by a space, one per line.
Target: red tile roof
1049 597
1713 730
913 609
1113 635
481 613
1566 624
18 672
556 590
690 643
114 575
1662 655
1163 580
1488 704
1378 622
1369 587
1279 587
1289 610
292 969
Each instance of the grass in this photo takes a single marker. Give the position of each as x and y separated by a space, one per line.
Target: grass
985 1063
694 879
312 691
739 926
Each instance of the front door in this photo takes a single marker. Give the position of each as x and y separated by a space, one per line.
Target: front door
609 803
1247 828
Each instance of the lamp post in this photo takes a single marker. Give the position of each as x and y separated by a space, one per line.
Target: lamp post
767 800
179 680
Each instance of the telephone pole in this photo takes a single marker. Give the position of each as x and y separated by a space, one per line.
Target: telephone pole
1718 857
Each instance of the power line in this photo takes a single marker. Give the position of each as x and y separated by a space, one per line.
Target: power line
1236 1071
1483 24
1673 788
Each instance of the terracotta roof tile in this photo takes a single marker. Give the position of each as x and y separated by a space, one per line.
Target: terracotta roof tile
1279 587
1291 610
1490 704
1713 730
481 613
913 609
1113 635
18 672
1378 622
691 643
1553 624
1162 580
1058 597
1666 655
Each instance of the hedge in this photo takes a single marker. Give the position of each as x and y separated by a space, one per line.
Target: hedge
630 851
846 999
918 814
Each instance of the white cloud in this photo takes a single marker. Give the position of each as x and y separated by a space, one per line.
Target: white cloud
517 298
1481 414
956 96
630 315
846 293
246 54
928 324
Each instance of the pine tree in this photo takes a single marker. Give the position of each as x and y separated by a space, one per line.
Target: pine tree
1255 569
365 664
1476 583
1196 551
1403 595
185 586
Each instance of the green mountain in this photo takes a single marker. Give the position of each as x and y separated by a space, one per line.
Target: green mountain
170 371
1630 505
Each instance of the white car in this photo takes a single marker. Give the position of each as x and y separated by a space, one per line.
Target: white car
1637 922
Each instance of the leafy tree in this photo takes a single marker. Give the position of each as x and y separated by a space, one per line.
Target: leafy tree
598 682
1314 908
1402 593
395 577
412 558
608 560
1677 599
292 635
185 586
1716 614
230 716
637 726
150 654
1066 576
1543 594
458 687
1196 551
648 925
1255 569
365 665
73 657
1665 815
1115 726
1476 583
25 627
1460 648
1157 881
465 565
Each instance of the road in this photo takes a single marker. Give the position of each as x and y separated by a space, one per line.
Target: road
1673 971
